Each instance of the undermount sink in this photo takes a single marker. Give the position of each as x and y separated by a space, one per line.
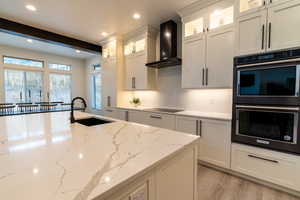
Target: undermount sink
92 121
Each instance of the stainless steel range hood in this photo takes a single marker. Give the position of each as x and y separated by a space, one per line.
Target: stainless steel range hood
168 46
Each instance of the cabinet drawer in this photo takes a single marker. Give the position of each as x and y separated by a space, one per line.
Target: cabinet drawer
115 113
275 167
161 120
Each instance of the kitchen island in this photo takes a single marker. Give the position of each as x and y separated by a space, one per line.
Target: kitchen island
43 156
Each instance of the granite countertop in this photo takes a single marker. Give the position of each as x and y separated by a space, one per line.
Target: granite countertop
188 113
43 156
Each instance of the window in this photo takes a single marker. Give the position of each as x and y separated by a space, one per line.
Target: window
60 87
60 67
22 61
96 87
23 86
97 91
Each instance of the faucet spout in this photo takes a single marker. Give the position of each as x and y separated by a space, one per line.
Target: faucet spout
72 118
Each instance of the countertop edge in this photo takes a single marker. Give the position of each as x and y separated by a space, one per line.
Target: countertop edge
177 114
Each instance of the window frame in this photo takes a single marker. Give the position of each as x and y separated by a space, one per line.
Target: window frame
24 66
59 70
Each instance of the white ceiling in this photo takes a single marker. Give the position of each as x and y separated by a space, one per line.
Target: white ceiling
87 19
17 41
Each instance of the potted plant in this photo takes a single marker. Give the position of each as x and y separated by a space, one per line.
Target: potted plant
135 101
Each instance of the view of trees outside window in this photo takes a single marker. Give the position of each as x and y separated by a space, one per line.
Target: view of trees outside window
60 87
21 61
97 90
60 67
23 86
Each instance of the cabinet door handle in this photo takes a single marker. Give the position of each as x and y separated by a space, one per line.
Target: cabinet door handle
263 37
203 76
200 128
264 159
126 116
156 116
270 30
206 76
133 82
197 127
108 101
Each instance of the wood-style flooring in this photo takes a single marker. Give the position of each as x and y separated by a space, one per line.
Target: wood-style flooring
216 185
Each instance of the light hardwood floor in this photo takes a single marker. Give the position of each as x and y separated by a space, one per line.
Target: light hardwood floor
216 185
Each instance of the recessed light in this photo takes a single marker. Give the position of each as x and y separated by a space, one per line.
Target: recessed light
31 7
104 34
78 51
136 16
29 40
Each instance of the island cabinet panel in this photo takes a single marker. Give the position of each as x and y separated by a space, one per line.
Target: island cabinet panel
215 137
176 179
278 168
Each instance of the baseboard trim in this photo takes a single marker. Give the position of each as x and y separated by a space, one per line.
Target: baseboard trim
252 179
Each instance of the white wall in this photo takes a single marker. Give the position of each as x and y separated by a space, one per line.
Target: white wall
78 68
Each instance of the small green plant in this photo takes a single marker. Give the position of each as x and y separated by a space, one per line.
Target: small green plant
135 101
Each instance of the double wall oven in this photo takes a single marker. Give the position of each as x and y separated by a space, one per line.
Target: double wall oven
266 101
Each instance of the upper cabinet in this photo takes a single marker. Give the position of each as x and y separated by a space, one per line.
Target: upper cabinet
208 46
109 51
267 25
139 49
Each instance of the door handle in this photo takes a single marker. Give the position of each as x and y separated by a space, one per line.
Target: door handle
203 76
270 30
264 159
197 127
263 37
200 128
156 116
108 101
206 76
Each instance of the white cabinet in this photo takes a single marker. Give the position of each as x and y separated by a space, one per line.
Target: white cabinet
111 71
271 26
176 179
283 25
219 58
215 138
214 146
208 47
271 166
193 63
188 125
116 113
153 119
251 33
139 49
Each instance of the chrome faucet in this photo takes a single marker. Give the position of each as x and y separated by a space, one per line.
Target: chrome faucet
72 118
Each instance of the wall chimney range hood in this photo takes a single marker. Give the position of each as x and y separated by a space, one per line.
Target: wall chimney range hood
168 46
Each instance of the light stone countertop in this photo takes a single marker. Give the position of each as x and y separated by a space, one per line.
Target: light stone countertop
187 113
43 156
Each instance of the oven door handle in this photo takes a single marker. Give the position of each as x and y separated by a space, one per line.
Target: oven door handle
269 108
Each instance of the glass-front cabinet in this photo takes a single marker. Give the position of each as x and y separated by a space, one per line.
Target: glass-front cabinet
246 6
194 27
221 17
109 50
135 46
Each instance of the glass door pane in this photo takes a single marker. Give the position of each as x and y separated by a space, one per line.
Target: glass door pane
14 86
97 91
220 18
60 87
246 5
194 27
34 85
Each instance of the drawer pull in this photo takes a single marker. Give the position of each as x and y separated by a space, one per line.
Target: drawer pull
260 158
109 110
156 116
